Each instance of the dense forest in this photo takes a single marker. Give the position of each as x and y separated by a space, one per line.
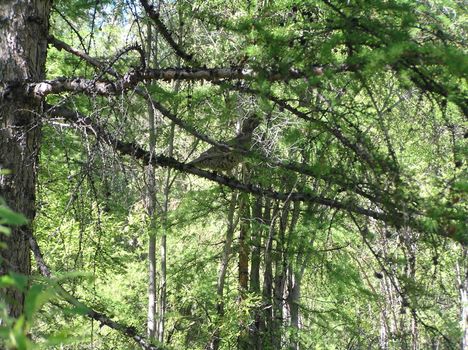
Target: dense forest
270 174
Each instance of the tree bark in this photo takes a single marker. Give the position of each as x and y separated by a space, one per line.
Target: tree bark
24 28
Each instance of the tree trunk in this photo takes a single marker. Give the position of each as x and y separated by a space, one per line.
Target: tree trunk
267 325
151 193
163 281
243 266
24 29
410 250
279 260
151 210
243 246
295 273
256 242
215 339
389 318
462 276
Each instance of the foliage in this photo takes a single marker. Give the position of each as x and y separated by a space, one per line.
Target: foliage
375 122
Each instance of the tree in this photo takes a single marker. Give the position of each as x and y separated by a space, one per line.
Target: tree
355 161
22 58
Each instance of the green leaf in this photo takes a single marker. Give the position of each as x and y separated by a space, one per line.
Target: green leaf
9 217
7 281
5 230
35 298
18 335
14 280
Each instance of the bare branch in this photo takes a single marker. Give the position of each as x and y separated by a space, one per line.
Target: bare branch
132 79
60 45
165 32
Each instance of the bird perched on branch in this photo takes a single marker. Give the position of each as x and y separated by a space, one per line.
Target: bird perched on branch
222 159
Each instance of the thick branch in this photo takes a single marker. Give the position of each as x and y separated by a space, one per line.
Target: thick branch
133 78
215 74
231 73
41 89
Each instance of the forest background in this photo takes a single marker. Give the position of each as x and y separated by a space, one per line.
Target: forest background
328 213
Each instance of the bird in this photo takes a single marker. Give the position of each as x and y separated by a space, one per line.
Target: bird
222 159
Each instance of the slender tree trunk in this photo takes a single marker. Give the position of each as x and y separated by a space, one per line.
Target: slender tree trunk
152 290
163 281
267 325
386 329
151 193
243 266
410 252
389 315
279 260
163 248
151 209
215 339
295 274
243 246
256 242
23 49
294 299
462 276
